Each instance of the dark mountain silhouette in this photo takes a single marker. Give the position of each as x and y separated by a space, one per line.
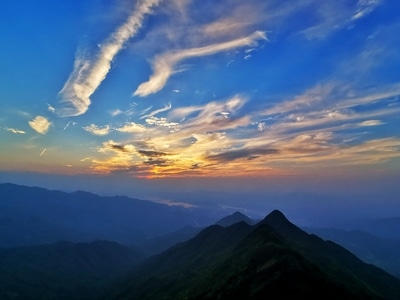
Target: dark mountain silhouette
331 258
372 249
31 215
63 270
271 260
161 243
233 219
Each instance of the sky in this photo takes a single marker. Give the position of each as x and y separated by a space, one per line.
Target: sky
161 99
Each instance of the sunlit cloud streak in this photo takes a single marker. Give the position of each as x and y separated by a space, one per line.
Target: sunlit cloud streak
163 65
16 131
365 7
157 111
40 124
224 26
88 73
324 104
97 130
371 123
132 127
43 152
129 112
162 122
50 108
172 202
219 138
68 124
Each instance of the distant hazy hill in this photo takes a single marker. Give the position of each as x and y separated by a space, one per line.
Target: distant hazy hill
62 270
384 253
271 260
233 219
385 227
31 215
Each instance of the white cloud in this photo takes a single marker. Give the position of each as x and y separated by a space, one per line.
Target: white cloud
162 122
132 128
50 108
364 7
261 126
116 112
16 131
163 65
40 124
97 130
371 123
89 73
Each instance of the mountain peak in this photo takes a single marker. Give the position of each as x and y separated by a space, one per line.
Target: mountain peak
234 218
278 221
276 216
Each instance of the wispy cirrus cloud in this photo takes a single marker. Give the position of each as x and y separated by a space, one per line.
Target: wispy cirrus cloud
364 7
331 103
157 111
163 65
334 15
329 123
40 124
88 73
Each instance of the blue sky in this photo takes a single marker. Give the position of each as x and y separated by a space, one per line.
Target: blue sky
217 90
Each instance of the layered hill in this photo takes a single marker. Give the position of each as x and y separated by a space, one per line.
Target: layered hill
33 216
271 260
381 252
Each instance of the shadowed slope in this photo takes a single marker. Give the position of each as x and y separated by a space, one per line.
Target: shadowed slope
334 260
62 270
273 259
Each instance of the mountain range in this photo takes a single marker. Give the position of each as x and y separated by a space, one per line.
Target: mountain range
33 216
172 255
273 259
